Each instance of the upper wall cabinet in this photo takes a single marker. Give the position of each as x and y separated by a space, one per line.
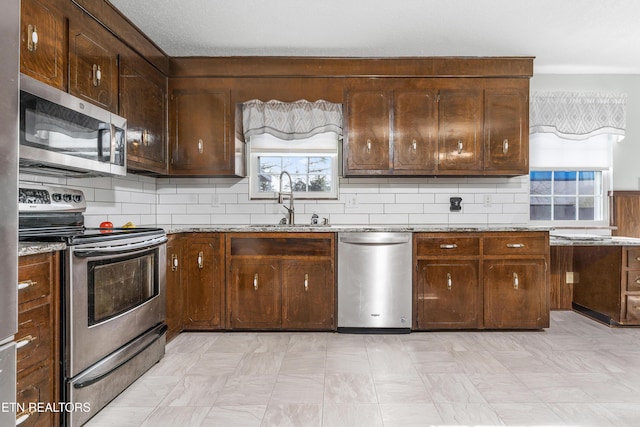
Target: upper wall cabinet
199 133
43 43
143 99
93 63
466 130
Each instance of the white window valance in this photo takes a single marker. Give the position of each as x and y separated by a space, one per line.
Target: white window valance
291 120
578 115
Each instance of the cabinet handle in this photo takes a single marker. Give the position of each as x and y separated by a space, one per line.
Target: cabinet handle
460 147
368 145
448 281
200 146
200 259
638 258
145 137
448 246
255 282
414 145
516 282
174 262
306 282
96 75
638 280
32 38
24 341
22 416
505 146
26 284
515 245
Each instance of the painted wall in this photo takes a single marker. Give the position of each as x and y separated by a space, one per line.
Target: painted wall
626 153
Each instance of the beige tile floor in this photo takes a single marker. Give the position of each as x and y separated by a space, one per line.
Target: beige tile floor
576 373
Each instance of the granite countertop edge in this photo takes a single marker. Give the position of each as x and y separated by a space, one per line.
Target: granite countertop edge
34 248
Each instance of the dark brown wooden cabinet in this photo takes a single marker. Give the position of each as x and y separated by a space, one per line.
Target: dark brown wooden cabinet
203 283
43 42
506 124
38 335
491 280
143 102
460 130
281 281
173 289
199 133
625 213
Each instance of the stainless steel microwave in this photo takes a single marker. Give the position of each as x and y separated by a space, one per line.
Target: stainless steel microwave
64 135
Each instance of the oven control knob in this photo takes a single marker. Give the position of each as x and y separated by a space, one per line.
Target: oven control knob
56 197
77 198
67 198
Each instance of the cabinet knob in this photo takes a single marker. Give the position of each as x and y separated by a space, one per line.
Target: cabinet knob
96 75
460 146
32 38
448 281
505 146
516 282
306 282
255 282
200 146
200 259
26 284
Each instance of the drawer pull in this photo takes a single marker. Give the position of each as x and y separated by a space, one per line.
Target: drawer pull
255 282
32 38
505 146
448 246
306 282
200 146
638 280
174 262
200 259
638 258
448 281
414 145
368 145
460 146
22 416
23 342
26 284
515 245
516 281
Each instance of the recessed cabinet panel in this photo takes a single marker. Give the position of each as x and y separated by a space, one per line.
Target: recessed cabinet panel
506 146
308 290
460 130
415 132
255 294
43 43
367 148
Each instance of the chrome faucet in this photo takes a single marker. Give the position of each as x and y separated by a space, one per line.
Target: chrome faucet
289 194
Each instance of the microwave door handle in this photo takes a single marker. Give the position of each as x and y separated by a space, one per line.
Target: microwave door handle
122 249
100 139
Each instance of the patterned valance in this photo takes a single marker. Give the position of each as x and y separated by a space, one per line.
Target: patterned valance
291 120
578 115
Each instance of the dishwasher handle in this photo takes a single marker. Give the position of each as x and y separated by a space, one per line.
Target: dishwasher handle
376 240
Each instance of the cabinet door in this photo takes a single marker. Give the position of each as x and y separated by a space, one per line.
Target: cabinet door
415 132
143 104
506 136
449 296
255 294
308 295
42 43
199 129
173 287
515 295
460 130
367 146
204 285
93 63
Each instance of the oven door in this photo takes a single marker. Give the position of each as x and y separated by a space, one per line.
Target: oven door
114 293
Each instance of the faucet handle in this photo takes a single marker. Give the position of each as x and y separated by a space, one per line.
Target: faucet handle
314 219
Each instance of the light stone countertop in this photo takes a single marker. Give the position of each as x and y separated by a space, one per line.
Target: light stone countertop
592 240
34 248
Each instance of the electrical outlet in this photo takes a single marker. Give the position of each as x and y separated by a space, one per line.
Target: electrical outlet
486 201
352 201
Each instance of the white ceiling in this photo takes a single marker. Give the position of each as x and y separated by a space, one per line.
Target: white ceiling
565 36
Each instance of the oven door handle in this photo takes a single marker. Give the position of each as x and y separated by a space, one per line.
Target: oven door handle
119 249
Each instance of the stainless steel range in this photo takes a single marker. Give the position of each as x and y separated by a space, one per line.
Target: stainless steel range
113 301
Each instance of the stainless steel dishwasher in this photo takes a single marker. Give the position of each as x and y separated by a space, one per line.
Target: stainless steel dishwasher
374 282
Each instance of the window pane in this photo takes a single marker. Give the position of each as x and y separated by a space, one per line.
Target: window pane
296 165
540 209
564 182
540 182
267 183
586 211
586 183
320 165
270 164
564 209
299 182
320 183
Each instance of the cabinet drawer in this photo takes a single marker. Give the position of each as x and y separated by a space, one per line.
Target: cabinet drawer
633 258
447 245
34 277
32 387
282 246
515 244
633 280
33 338
633 309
